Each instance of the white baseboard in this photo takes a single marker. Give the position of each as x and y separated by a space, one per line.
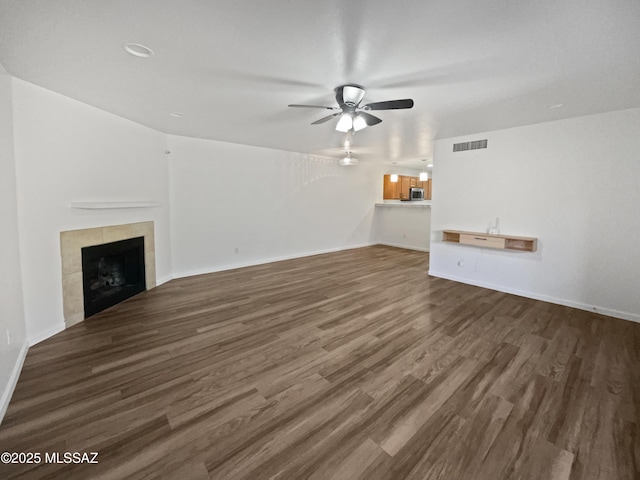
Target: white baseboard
40 336
13 380
407 247
633 317
165 279
262 261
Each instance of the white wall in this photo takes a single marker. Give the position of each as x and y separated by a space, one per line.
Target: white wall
404 226
268 204
412 172
68 151
13 344
574 184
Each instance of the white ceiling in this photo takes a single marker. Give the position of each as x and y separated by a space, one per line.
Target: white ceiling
231 67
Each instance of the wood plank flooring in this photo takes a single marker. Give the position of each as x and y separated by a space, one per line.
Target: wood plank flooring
350 365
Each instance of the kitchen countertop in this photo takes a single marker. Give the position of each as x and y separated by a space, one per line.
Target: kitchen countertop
401 204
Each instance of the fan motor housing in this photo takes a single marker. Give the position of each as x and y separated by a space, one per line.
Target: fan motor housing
349 95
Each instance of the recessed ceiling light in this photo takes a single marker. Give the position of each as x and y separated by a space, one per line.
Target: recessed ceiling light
429 165
138 50
557 105
176 114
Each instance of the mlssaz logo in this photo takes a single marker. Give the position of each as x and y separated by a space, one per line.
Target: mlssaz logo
71 457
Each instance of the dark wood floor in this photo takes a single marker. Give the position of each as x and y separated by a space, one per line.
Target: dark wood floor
351 365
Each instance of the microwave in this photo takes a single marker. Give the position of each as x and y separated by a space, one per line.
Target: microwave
416 193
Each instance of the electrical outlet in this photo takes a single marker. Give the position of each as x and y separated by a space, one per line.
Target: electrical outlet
8 337
461 263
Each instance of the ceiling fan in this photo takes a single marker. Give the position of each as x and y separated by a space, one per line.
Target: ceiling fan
353 116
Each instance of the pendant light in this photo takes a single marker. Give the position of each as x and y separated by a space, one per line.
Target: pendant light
424 175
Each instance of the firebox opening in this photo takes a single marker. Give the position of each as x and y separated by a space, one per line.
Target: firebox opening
111 273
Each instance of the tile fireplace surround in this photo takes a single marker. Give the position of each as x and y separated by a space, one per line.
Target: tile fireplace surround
71 244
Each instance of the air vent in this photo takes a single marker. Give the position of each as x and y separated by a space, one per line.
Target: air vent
475 145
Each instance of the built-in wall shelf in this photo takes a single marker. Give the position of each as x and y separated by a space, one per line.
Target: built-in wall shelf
107 205
488 240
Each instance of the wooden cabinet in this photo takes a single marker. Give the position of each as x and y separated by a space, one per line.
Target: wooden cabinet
426 186
486 240
391 189
405 185
400 190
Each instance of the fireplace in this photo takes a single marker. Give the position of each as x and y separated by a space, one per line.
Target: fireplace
111 273
115 282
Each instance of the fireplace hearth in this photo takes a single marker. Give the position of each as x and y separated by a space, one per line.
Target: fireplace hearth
111 273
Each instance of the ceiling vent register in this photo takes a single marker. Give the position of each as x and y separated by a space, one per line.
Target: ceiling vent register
474 145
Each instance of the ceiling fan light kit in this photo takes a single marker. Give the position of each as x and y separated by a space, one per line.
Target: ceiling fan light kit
348 161
345 123
359 123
